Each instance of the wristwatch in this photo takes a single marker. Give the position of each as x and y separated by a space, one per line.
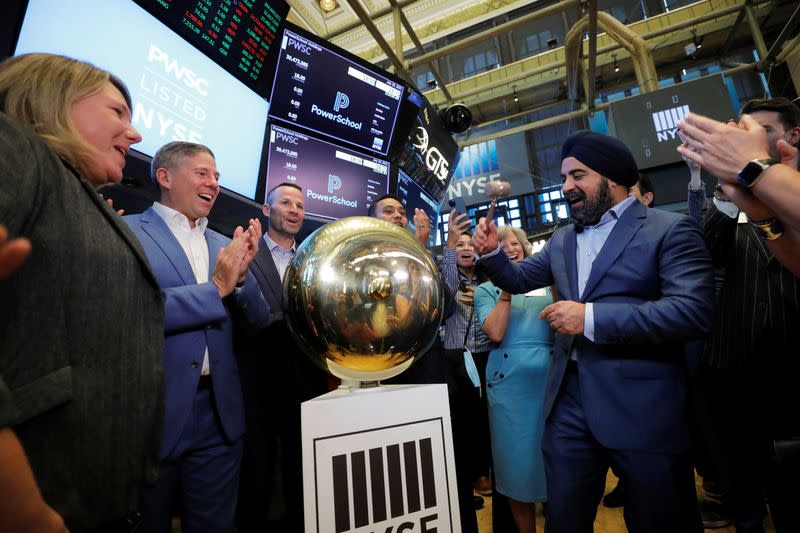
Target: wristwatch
769 229
752 171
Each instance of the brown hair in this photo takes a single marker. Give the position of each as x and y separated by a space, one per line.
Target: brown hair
38 90
521 237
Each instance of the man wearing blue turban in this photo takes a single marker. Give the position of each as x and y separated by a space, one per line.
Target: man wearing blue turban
635 284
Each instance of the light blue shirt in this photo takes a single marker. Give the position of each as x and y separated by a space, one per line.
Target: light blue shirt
589 243
282 256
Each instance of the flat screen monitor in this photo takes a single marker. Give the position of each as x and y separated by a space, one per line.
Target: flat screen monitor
238 36
317 86
648 123
336 182
178 93
413 197
428 154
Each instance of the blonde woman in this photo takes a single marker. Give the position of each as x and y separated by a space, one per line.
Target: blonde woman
81 322
516 375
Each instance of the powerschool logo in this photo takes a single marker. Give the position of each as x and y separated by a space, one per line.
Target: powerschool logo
404 472
342 101
666 122
334 183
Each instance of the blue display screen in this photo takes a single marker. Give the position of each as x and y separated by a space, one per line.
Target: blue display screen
178 93
412 196
322 90
336 182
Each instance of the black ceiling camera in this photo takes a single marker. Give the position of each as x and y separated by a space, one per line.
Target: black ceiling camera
457 118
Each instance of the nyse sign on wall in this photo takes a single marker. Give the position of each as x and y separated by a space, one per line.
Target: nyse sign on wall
379 460
648 123
501 159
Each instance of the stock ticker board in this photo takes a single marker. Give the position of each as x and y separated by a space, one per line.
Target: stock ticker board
239 35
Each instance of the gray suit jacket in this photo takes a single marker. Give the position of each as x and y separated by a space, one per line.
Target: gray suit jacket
81 325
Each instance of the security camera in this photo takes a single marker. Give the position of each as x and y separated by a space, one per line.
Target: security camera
457 118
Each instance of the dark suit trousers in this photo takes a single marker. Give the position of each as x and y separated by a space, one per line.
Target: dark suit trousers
659 488
200 477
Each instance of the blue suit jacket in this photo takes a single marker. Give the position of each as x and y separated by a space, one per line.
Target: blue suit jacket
195 317
651 288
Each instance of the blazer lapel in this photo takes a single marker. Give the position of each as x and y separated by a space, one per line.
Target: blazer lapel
571 258
154 225
266 265
214 243
626 227
117 223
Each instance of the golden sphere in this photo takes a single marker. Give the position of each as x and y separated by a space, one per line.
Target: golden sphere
364 298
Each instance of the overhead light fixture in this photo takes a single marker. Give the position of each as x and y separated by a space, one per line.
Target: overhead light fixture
698 43
516 97
616 66
328 5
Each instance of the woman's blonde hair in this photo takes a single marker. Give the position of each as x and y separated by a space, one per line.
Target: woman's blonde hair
38 90
521 237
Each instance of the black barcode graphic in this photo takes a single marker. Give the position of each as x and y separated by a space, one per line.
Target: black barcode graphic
669 118
395 460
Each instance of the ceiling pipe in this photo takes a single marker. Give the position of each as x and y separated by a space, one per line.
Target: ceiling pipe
755 31
610 48
787 30
642 56
576 114
732 31
592 53
355 25
491 32
418 44
400 69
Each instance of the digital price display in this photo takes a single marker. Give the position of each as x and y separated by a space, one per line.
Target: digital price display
236 34
336 182
322 90
413 197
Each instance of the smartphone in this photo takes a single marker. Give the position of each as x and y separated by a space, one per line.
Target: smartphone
457 203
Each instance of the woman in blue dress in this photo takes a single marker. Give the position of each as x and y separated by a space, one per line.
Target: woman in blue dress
516 376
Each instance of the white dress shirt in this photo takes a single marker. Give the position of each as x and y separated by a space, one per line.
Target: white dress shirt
280 255
193 242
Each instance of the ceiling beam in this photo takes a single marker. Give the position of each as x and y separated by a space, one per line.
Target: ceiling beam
359 23
574 114
483 90
418 44
491 32
376 34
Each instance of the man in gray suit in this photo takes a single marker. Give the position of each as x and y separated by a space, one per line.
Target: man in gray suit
273 411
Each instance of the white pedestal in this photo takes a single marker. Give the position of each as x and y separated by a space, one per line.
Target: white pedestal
379 460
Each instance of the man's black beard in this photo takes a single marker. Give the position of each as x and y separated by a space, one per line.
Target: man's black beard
593 208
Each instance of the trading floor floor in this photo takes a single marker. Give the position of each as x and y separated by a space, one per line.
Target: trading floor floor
608 520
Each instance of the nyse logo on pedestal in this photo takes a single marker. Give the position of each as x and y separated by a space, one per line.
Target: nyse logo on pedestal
392 479
404 498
